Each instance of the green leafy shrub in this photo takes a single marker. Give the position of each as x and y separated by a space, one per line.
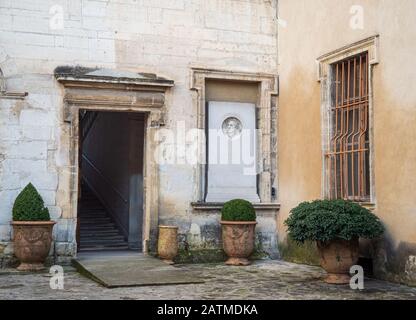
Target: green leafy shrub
29 206
238 210
324 220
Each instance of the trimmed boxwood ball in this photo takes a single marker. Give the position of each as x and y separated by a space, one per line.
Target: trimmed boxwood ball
324 220
29 206
238 210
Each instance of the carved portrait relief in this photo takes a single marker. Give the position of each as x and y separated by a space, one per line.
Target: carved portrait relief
232 127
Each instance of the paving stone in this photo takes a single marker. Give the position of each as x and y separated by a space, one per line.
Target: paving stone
265 279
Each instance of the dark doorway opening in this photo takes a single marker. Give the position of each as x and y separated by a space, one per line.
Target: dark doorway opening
110 201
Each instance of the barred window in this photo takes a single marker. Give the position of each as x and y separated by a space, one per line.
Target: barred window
348 156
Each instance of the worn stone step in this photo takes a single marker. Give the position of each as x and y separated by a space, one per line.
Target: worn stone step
85 239
96 223
97 229
98 248
85 210
83 219
92 210
93 228
103 232
103 242
96 220
92 223
93 218
93 214
103 237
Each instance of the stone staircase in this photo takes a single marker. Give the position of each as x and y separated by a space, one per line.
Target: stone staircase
97 230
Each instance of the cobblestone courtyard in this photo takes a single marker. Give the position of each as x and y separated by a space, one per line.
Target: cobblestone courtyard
263 280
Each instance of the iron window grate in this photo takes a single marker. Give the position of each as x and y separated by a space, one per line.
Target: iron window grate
348 156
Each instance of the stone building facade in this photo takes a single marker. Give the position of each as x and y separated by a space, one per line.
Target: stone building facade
309 43
168 60
186 43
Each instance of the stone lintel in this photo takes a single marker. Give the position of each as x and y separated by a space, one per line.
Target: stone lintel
92 96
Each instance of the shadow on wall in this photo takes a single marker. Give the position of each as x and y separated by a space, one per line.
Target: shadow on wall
397 264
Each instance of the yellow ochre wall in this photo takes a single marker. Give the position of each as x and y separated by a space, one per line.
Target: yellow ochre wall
309 29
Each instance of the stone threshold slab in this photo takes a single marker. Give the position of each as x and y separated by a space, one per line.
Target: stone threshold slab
130 269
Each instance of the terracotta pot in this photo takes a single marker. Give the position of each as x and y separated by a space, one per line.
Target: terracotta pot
167 245
238 241
337 257
31 243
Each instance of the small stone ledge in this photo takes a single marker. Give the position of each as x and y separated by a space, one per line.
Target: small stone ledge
368 205
13 95
262 209
216 206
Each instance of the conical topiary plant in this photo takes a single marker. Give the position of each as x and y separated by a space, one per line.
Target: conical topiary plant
29 206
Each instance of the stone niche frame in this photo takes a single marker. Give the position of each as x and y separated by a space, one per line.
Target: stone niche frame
268 89
324 62
142 93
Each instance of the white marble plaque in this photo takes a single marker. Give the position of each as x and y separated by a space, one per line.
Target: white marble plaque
232 152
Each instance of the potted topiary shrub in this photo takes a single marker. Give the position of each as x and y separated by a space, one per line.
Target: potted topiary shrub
336 226
238 220
32 229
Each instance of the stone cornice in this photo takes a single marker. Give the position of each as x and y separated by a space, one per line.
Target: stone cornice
370 44
81 77
198 73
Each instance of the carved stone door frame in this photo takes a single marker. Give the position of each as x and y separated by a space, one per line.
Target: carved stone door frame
144 94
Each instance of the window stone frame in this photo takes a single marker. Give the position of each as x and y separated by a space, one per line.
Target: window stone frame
324 62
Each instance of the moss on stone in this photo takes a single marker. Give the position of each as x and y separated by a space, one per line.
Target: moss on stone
259 255
296 253
8 261
200 256
211 256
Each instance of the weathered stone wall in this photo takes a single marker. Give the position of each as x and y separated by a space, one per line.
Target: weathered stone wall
166 37
309 29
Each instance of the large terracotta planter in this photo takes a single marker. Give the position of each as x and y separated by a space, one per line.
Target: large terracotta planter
167 245
337 257
238 241
31 243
